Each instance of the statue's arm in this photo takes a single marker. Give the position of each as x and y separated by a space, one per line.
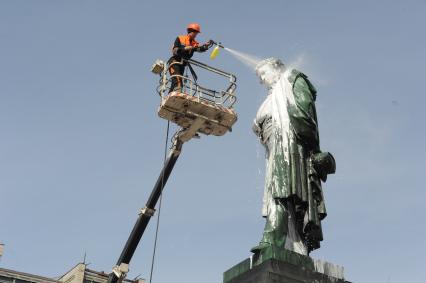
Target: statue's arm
262 116
256 128
303 115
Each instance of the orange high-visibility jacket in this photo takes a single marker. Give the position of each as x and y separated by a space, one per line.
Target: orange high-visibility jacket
179 45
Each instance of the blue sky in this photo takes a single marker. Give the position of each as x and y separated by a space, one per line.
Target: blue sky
81 144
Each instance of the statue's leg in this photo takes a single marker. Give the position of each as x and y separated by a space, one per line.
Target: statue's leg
293 240
275 231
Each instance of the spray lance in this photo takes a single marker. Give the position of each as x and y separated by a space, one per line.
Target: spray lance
215 51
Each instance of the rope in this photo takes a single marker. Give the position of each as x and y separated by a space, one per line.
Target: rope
159 205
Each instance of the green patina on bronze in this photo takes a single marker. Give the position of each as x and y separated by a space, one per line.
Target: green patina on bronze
267 254
284 255
236 270
296 168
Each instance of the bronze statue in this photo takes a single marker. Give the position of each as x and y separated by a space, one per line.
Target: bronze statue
286 124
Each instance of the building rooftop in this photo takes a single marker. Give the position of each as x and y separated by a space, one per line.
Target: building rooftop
78 274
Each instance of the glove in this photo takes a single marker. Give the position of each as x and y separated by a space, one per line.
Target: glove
208 44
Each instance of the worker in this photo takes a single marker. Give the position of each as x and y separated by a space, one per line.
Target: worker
184 48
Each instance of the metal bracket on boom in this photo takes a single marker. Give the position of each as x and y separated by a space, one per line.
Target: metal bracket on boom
184 135
147 211
121 271
176 144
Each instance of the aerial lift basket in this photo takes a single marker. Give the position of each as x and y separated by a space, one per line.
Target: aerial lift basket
191 102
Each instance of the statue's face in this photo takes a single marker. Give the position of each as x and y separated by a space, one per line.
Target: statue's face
269 71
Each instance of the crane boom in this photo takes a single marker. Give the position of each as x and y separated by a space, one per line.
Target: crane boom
145 214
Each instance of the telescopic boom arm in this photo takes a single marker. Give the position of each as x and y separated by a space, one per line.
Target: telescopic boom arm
122 267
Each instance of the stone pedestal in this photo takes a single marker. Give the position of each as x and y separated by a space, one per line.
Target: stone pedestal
273 266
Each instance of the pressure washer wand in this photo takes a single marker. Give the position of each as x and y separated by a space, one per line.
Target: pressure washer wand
218 44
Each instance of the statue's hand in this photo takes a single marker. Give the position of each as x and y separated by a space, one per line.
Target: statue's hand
256 129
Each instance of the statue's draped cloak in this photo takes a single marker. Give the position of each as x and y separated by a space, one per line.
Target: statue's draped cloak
289 173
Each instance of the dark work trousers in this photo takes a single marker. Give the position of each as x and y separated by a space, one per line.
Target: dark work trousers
177 82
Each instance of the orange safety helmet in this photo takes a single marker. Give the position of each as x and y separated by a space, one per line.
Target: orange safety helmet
194 26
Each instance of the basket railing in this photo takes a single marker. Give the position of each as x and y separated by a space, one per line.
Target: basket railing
225 98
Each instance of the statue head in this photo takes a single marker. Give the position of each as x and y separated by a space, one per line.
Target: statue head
269 71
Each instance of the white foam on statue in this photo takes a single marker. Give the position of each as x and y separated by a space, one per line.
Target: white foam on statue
277 103
281 99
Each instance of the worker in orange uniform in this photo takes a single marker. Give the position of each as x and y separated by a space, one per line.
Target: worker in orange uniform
184 47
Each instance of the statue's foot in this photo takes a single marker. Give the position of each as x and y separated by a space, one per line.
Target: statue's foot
260 247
